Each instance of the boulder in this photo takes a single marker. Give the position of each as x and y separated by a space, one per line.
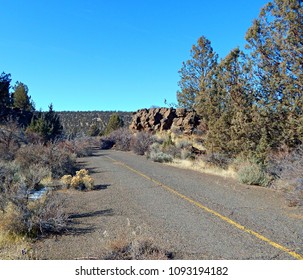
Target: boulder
163 119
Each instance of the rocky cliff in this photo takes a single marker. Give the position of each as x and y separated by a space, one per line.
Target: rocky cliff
161 119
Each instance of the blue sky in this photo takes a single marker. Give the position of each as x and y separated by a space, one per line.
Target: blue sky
112 54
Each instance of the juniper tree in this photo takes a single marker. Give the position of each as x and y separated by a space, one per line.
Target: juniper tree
194 73
227 106
275 41
47 125
5 80
114 123
20 97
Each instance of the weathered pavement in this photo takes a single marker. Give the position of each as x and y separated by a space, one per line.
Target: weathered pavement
194 215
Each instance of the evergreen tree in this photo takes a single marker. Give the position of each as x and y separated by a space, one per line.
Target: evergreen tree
93 130
194 73
276 42
20 97
227 106
114 123
5 80
47 125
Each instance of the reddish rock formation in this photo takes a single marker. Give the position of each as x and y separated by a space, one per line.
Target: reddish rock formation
161 119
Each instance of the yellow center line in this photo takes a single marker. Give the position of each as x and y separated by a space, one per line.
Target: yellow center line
222 217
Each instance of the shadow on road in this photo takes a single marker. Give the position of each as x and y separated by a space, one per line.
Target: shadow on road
106 212
101 187
78 227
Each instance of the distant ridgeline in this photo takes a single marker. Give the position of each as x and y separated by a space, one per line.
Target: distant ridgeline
83 122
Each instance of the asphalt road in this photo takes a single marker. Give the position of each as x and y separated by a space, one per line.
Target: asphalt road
193 215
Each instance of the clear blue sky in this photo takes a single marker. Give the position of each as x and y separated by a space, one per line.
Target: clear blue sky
112 54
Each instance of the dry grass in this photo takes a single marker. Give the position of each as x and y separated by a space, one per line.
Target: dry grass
183 144
287 168
15 247
203 167
131 244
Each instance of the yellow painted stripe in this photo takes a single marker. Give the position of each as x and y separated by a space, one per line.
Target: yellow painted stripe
215 213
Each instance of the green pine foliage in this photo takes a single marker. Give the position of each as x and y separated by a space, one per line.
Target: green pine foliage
252 103
275 43
114 123
194 73
5 80
47 125
20 97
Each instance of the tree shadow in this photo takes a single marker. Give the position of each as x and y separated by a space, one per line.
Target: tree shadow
106 212
73 230
77 227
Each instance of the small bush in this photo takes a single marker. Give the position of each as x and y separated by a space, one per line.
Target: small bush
141 142
183 144
253 174
58 159
287 169
136 250
168 142
12 183
155 153
35 174
217 160
132 245
186 153
34 218
66 180
122 138
48 215
160 157
11 138
80 181
80 146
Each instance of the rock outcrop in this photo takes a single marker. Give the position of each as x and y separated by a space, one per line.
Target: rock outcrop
162 119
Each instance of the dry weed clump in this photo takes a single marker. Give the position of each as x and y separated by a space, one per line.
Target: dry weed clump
35 174
121 139
80 146
287 168
53 156
141 142
11 138
20 214
135 250
157 155
132 245
81 181
24 217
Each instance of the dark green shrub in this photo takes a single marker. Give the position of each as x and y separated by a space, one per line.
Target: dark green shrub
114 123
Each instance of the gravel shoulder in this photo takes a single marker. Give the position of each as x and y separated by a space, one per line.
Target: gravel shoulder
126 203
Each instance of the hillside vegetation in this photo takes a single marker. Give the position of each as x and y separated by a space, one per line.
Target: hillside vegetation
90 123
251 101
